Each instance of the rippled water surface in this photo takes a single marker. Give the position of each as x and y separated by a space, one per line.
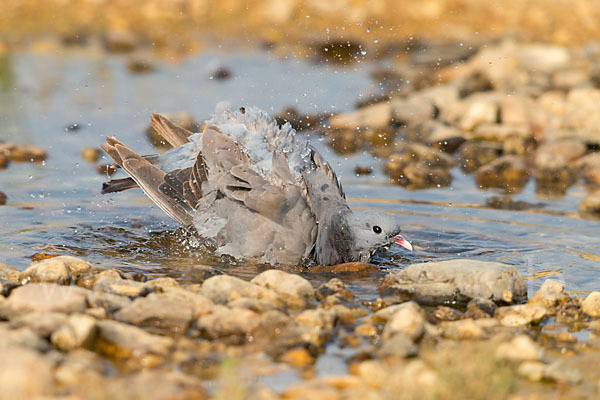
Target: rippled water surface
57 207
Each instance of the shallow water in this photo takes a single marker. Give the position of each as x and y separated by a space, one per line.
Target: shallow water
56 207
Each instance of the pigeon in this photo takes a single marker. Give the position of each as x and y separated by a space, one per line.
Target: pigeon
254 190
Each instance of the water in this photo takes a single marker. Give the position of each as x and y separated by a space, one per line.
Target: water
57 207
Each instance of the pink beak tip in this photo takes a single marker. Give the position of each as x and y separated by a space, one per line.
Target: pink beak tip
399 240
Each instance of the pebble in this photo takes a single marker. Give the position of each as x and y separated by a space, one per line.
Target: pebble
22 153
507 172
107 301
521 348
91 154
222 289
542 58
319 318
80 366
4 163
521 314
9 273
298 358
225 322
79 331
429 156
130 345
42 323
21 337
581 116
480 308
532 370
514 110
564 372
25 374
295 291
479 112
468 329
457 280
473 154
53 270
120 287
591 304
48 297
551 293
408 319
375 116
399 345
590 203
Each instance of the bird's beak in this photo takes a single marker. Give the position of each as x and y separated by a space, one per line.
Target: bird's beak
399 239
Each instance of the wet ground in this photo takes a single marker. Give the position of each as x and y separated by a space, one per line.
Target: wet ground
66 101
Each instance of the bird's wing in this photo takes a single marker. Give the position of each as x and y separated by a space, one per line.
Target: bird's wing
174 134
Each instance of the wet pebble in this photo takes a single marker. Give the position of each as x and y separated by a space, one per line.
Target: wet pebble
222 289
22 153
590 203
507 172
226 322
479 112
23 337
591 304
120 41
480 308
122 287
399 345
550 294
4 161
457 280
29 376
521 314
52 270
220 74
373 116
468 329
408 319
474 154
78 331
138 65
42 323
91 154
294 290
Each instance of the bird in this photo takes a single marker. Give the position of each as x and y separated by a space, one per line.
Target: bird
254 190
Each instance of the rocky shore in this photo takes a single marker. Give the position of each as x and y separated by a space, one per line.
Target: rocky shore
70 329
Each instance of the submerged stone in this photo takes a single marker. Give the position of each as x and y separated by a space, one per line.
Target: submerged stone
294 290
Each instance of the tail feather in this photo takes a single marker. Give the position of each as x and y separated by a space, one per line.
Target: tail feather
118 185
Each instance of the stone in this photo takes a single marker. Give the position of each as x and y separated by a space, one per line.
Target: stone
514 110
412 111
42 323
565 150
365 329
91 154
474 154
521 348
108 301
224 288
298 357
397 346
294 290
429 156
591 304
80 366
499 132
521 314
374 116
416 175
480 308
26 374
334 286
477 113
121 287
543 58
550 294
258 306
162 284
154 384
48 297
225 321
564 372
458 281
22 337
319 318
590 203
409 320
441 136
164 311
53 270
130 345
22 153
507 172
9 273
468 329
581 116
532 370
79 331
443 313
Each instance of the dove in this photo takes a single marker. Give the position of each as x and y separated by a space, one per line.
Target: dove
254 190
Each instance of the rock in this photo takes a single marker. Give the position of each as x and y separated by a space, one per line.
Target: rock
398 346
107 301
499 133
591 304
162 284
21 337
347 312
294 290
91 154
154 384
258 306
120 41
131 346
22 153
477 113
429 156
522 314
2 198
48 297
468 329
198 273
375 116
581 116
298 358
25 374
550 294
443 313
514 110
413 111
321 319
416 175
474 154
224 288
561 371
9 273
590 203
80 367
360 170
543 58
409 320
79 331
4 163
507 172
480 308
334 286
365 329
344 141
53 270
224 322
164 311
441 136
521 348
140 65
532 370
121 287
42 323
456 281
567 150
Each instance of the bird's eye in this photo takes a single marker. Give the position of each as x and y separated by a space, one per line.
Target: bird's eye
376 229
